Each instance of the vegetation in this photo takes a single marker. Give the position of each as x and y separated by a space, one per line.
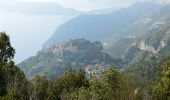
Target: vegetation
13 84
162 88
146 79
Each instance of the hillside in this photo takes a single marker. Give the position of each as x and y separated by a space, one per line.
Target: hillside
103 27
137 81
153 43
78 53
126 37
150 37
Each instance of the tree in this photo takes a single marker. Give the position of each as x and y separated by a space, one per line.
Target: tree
81 94
162 89
116 86
13 83
112 86
112 80
6 50
71 81
6 54
39 89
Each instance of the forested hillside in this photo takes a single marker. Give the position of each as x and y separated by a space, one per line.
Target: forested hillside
78 53
147 79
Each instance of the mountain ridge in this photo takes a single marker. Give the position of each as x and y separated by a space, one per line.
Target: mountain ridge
101 26
146 35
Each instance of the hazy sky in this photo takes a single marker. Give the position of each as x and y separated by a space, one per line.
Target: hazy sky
76 4
31 22
95 4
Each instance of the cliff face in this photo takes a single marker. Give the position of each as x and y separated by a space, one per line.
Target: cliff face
146 47
154 42
162 43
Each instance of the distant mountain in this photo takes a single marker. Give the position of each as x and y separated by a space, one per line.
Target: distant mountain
102 11
155 41
47 9
129 35
102 27
78 53
36 8
147 37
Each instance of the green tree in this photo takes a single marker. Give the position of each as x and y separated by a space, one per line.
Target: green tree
71 81
39 89
112 80
116 86
162 89
6 54
13 84
79 94
112 86
6 50
15 80
95 92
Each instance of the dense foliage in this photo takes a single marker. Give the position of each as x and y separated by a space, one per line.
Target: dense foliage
13 83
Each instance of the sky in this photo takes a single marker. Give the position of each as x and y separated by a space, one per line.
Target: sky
82 5
29 23
96 4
